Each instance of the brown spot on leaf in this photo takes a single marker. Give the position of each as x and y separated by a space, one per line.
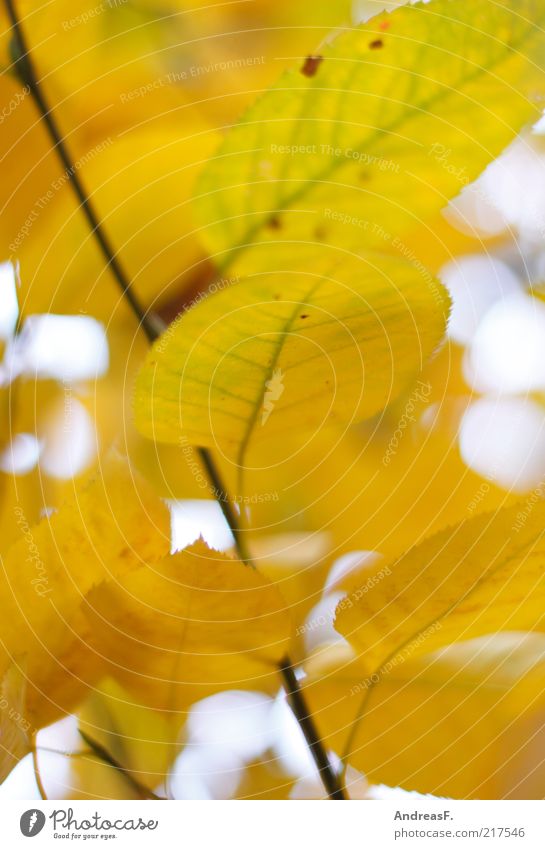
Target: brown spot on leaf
311 65
305 316
183 292
376 44
320 233
274 222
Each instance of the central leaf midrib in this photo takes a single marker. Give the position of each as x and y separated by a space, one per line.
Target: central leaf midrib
277 350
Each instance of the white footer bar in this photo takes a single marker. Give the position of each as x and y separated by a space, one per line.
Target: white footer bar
275 825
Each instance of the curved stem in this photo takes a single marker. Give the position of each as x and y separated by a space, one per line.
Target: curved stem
152 327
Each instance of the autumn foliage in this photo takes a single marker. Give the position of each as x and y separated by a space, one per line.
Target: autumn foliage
271 180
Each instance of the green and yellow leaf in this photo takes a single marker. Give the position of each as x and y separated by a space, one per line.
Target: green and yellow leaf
360 146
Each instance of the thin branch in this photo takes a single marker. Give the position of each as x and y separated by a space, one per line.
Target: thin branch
104 755
226 505
152 327
328 776
24 67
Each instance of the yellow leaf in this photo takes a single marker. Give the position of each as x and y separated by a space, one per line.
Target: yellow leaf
264 779
98 70
478 577
460 722
172 473
383 487
132 180
14 724
289 351
136 143
192 624
18 493
397 116
228 53
298 564
88 776
107 527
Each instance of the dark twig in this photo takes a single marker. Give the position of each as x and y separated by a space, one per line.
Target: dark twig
221 494
103 754
24 67
328 776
